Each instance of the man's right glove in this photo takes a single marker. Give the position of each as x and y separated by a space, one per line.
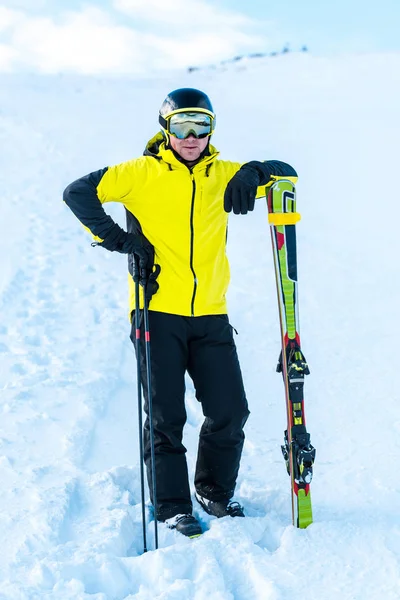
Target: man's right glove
118 240
240 193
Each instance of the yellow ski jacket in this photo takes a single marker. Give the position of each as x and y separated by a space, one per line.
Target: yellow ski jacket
180 211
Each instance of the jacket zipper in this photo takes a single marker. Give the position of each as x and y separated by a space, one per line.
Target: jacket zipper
192 245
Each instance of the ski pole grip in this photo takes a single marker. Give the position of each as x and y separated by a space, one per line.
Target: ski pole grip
136 269
144 276
140 274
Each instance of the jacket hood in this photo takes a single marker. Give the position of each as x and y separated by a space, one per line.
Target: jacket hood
156 148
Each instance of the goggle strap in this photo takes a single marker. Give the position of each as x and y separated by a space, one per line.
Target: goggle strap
163 122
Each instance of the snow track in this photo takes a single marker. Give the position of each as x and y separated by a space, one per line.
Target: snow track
70 518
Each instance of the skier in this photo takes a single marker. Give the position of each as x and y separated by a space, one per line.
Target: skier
177 198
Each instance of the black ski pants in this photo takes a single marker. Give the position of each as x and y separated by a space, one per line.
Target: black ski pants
203 347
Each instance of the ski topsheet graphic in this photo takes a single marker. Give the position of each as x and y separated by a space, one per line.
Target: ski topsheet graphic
297 450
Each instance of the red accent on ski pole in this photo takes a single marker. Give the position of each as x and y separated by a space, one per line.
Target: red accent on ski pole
138 334
147 336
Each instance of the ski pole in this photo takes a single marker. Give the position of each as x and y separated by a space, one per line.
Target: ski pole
150 405
139 397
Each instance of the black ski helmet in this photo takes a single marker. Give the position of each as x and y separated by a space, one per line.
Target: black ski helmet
185 99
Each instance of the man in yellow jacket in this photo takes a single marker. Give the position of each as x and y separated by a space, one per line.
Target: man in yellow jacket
177 197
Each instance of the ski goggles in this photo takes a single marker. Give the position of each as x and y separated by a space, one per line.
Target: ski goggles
181 125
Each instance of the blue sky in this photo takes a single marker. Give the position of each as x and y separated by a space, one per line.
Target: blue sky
330 26
138 36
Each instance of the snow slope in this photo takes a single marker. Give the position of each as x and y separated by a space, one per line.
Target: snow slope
70 519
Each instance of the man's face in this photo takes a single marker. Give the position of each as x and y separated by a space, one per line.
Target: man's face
190 148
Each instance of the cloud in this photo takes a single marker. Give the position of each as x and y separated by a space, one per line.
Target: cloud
9 18
151 35
200 49
182 14
192 31
83 42
7 58
27 4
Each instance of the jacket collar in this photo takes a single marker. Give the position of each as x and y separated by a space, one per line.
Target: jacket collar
156 147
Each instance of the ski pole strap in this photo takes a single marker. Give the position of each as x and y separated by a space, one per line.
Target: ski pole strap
283 218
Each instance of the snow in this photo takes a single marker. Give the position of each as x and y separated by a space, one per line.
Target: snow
70 518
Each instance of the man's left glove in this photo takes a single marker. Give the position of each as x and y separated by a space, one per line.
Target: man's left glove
118 240
240 193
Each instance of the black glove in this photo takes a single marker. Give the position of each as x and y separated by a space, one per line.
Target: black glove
240 193
118 240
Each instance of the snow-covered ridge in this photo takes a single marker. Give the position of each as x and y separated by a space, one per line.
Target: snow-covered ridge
69 495
243 59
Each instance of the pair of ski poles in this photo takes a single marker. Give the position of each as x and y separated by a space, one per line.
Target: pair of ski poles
140 277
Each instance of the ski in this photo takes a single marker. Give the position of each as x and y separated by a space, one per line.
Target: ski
297 450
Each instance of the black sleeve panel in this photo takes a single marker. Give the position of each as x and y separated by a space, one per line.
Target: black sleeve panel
272 167
81 197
